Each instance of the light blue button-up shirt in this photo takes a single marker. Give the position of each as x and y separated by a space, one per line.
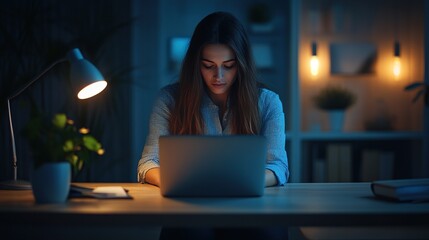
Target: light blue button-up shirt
273 128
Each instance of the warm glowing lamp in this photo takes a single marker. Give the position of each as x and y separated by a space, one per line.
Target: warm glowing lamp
87 81
314 61
397 61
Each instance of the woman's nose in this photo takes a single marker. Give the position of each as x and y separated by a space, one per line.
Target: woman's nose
219 73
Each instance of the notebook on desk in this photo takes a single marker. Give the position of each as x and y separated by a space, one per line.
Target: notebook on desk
212 166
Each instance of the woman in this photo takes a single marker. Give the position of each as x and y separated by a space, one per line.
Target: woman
217 94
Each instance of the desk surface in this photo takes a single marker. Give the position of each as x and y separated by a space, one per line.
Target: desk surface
296 204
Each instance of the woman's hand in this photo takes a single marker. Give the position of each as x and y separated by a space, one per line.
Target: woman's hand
153 177
270 178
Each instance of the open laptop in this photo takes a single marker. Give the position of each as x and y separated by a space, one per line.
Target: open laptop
212 166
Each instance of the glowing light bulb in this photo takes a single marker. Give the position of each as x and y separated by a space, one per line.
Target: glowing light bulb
396 66
314 65
92 89
396 60
314 60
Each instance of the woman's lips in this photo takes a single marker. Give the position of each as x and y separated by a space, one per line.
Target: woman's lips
218 84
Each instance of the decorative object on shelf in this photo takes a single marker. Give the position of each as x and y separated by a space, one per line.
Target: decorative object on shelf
263 56
424 91
260 18
353 58
87 81
177 52
380 123
335 100
383 120
56 145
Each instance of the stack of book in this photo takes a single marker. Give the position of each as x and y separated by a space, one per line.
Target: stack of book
402 189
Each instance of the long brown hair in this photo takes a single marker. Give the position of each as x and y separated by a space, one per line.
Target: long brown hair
186 117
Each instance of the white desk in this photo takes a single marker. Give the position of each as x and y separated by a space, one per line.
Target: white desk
298 204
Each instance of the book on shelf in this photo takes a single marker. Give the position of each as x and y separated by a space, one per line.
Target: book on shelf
386 165
339 162
318 163
319 170
102 192
377 165
345 156
402 189
332 162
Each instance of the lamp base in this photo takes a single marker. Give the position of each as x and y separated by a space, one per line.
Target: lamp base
15 185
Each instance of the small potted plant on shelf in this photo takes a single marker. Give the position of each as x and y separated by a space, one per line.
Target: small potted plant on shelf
59 149
260 18
335 100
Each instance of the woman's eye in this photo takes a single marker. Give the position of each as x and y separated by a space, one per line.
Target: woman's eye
229 66
208 66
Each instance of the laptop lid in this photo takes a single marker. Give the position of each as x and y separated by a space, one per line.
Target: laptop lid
212 166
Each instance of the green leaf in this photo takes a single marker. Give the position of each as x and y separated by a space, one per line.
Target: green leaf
59 120
413 86
68 146
80 164
419 93
91 143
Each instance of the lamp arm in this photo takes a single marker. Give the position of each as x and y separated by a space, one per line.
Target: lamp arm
12 135
37 78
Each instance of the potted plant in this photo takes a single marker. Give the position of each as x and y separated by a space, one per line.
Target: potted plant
59 149
424 91
260 18
335 100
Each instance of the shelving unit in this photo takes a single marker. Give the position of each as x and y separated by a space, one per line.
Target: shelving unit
367 136
366 156
404 147
273 49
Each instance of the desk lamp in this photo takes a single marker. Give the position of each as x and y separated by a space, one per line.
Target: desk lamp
87 81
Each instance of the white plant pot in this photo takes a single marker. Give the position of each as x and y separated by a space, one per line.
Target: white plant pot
336 120
51 182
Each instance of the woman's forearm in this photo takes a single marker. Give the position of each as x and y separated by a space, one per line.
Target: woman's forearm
153 177
270 178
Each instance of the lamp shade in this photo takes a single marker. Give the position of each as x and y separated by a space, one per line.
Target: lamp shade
86 78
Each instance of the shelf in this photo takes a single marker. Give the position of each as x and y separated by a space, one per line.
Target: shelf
320 136
306 149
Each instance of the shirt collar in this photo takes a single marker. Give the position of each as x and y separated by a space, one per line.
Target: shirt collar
207 101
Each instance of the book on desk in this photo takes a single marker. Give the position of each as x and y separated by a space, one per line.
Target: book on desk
103 192
402 189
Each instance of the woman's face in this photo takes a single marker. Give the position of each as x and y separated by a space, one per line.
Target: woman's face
218 68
